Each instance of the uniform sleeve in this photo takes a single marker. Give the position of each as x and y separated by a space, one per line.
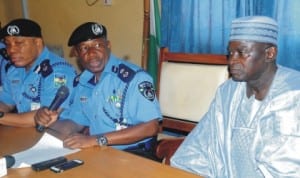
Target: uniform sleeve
143 104
5 93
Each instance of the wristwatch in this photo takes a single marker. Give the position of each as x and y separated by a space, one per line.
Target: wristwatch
1 114
102 140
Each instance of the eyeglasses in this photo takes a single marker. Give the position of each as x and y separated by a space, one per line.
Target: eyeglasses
96 45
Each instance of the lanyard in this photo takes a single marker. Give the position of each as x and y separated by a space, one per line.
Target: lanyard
119 120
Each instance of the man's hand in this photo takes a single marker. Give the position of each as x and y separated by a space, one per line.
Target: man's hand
79 141
45 117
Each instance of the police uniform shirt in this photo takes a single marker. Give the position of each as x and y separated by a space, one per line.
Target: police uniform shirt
124 97
29 90
3 62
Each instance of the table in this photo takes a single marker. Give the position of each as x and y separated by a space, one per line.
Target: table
99 162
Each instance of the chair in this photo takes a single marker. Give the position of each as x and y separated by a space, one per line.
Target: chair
186 86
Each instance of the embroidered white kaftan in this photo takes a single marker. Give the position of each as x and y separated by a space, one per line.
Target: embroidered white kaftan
228 142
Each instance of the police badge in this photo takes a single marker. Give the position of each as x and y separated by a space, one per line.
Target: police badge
147 90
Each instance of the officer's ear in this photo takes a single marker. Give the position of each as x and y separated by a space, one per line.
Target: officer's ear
73 52
271 53
108 44
39 42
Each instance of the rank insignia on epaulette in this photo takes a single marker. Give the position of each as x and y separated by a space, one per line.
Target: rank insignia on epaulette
125 73
46 68
60 80
147 90
114 69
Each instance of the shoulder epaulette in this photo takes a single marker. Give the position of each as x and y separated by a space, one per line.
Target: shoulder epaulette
125 73
46 68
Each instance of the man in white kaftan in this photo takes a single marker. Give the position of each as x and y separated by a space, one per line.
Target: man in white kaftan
248 135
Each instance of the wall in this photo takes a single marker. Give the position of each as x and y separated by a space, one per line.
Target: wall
58 18
9 9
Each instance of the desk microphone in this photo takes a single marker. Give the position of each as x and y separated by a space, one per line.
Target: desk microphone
60 97
10 161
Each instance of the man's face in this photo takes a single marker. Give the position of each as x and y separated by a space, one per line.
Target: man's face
23 51
94 54
247 60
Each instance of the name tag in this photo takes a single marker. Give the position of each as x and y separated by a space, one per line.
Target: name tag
120 126
35 106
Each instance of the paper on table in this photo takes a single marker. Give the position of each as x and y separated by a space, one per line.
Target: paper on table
46 148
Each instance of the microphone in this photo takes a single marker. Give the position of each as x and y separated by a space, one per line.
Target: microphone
6 162
60 97
10 161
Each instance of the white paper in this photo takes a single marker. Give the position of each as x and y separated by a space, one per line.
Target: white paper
48 147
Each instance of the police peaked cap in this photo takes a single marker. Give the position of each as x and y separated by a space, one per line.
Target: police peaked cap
21 27
87 31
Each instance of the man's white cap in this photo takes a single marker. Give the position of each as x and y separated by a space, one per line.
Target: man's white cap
254 28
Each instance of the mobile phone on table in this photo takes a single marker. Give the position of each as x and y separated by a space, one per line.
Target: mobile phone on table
48 163
65 166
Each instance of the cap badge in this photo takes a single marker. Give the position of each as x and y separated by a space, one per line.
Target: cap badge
97 29
13 30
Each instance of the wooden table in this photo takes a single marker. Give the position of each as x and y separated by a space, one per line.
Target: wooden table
100 162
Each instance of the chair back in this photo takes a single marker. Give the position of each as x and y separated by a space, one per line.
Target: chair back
186 86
